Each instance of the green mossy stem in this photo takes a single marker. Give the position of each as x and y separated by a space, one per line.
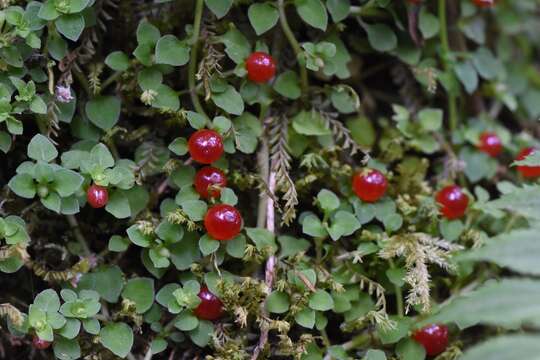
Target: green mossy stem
452 100
304 82
192 67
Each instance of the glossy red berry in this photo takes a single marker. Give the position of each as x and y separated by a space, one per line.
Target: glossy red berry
369 185
40 344
209 181
528 171
205 146
260 67
490 143
452 201
484 3
97 196
433 337
223 222
210 308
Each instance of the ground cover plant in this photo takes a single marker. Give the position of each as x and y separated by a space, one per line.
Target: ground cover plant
239 179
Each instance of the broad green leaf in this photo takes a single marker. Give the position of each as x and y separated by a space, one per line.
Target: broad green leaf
65 349
171 51
70 25
381 37
321 301
486 304
229 100
310 123
23 185
103 111
117 337
263 17
219 7
117 61
287 84
313 13
339 9
141 292
277 302
507 347
522 201
41 148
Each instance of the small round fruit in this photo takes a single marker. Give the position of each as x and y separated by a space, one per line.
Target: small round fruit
528 171
210 308
205 146
97 196
223 222
40 344
209 181
433 337
369 185
260 67
484 3
453 202
490 143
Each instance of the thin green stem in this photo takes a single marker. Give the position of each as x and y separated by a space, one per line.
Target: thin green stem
399 295
111 79
72 220
452 100
192 68
304 83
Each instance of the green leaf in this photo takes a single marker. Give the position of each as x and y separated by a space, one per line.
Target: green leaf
208 245
229 100
186 321
327 200
321 301
5 142
291 246
70 25
430 119
428 24
147 33
277 302
117 337
287 84
179 146
262 238
47 300
236 247
507 347
305 318
91 326
23 185
343 224
263 17
237 47
171 51
41 148
312 226
310 123
522 201
66 349
118 205
103 111
375 355
202 334
381 37
219 7
486 304
141 292
247 130
107 281
487 65
408 349
339 9
117 61
451 230
393 335
313 13
518 250
468 76
67 182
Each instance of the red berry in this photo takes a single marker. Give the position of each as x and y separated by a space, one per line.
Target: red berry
434 338
490 143
97 196
528 171
223 222
453 202
209 181
260 67
484 3
40 344
210 308
205 146
369 185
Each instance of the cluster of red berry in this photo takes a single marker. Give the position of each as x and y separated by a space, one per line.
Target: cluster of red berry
370 184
